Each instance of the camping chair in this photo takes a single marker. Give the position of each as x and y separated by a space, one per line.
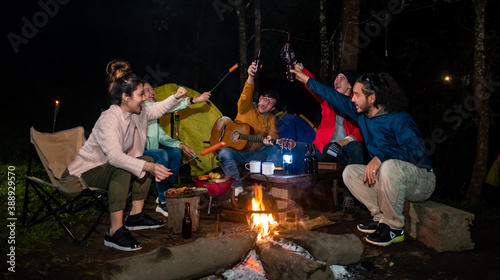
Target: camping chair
59 197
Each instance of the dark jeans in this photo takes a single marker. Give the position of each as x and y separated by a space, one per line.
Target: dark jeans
351 153
170 158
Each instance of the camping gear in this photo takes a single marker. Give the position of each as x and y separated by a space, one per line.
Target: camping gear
61 197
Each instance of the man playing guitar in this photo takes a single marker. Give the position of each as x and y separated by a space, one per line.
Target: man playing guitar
263 123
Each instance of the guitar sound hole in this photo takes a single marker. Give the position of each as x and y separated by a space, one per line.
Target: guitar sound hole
235 136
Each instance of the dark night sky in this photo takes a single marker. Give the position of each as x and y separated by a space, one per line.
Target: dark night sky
65 57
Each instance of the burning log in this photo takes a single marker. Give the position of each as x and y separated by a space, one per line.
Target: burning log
280 263
333 249
205 256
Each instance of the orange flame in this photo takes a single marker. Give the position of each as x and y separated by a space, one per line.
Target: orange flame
264 223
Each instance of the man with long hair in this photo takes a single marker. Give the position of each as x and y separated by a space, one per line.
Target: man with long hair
399 169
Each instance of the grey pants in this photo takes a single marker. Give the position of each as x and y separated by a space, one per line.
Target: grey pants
397 181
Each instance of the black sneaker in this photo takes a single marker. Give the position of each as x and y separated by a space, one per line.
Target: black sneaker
162 209
123 240
348 210
141 221
368 228
384 236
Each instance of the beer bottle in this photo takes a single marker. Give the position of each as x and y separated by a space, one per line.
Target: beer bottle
307 161
258 64
187 225
289 59
314 160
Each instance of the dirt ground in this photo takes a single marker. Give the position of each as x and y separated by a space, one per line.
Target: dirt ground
407 260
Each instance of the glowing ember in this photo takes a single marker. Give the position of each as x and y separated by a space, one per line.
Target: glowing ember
263 223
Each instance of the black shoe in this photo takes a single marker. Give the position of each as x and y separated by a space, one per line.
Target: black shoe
123 240
384 236
162 209
141 221
348 210
368 228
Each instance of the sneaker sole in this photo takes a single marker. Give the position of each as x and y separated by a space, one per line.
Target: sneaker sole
383 244
121 248
365 230
143 227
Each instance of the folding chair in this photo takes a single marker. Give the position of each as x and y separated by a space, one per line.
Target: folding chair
60 196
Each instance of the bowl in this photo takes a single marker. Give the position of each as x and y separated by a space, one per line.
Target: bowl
213 189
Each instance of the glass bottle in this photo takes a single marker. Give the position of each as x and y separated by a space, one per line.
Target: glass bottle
314 160
187 225
307 161
287 56
258 64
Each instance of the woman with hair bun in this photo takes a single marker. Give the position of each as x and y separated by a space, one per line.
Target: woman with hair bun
112 158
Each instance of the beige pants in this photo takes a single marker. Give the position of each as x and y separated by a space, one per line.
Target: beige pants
397 181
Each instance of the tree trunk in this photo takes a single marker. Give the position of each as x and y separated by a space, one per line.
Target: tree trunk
349 35
242 65
481 98
325 44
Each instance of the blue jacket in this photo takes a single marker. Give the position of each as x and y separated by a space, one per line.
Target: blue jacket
393 135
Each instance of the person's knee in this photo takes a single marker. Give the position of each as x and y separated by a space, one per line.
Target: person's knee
146 158
176 153
225 154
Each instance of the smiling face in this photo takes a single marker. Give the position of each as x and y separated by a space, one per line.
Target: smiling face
133 104
341 84
149 93
266 104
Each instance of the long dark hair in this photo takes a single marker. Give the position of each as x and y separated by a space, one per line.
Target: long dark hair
120 80
387 91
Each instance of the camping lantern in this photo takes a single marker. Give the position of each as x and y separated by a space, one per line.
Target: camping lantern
287 163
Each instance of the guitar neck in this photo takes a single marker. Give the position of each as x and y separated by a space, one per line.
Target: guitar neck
254 138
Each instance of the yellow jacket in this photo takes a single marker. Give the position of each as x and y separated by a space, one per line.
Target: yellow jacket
262 125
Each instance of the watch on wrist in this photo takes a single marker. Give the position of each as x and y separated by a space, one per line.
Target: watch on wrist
191 100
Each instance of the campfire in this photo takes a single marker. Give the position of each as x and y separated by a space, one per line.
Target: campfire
264 223
261 253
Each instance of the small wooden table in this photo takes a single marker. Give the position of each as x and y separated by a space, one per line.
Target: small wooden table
312 191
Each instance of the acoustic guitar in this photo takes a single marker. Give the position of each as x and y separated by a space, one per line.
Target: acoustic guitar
237 135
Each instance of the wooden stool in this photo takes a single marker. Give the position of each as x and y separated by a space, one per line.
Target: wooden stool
336 191
335 187
176 205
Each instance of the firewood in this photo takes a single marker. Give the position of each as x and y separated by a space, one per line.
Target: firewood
205 256
333 249
280 263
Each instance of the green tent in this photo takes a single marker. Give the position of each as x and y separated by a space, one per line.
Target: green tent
195 125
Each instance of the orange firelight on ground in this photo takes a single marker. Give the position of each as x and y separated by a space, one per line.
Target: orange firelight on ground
263 223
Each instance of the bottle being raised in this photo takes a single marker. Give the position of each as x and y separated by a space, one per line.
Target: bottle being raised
288 56
258 64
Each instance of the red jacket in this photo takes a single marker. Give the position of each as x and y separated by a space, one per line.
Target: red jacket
327 126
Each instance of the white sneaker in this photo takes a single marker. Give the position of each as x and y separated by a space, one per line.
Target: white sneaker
162 209
237 191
